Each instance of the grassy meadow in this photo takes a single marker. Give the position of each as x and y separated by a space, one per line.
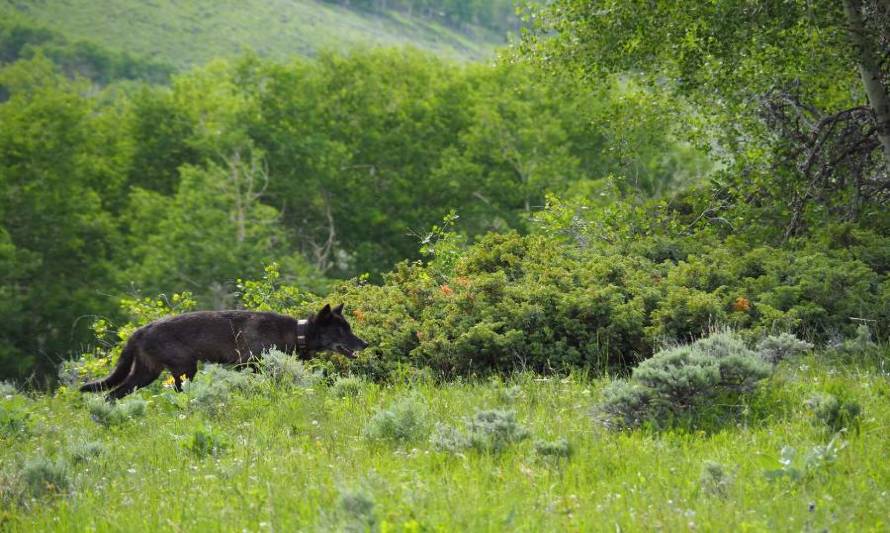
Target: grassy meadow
352 455
186 34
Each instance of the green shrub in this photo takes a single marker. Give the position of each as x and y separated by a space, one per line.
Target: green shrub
494 430
679 377
685 312
680 380
347 387
85 451
558 448
43 476
859 343
487 431
212 388
287 370
509 395
510 302
406 420
625 405
448 439
112 414
513 302
775 348
833 414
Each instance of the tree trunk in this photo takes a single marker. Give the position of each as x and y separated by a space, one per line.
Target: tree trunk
869 71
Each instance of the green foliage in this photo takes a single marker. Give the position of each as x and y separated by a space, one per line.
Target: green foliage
43 476
487 431
834 414
860 343
287 370
625 405
211 230
58 168
270 292
85 451
213 386
510 302
206 442
784 175
536 302
405 421
14 413
818 459
347 386
21 39
494 430
775 348
7 390
197 185
448 439
680 381
114 414
558 448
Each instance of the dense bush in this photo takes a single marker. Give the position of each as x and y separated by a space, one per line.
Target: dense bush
513 302
509 302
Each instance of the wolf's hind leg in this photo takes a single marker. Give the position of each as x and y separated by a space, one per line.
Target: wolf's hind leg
141 376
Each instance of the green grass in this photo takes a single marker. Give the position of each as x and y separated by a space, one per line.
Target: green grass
191 33
300 459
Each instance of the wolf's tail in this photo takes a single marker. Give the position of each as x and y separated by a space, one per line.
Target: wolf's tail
118 375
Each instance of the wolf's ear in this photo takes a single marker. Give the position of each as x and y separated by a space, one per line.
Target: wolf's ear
339 310
325 312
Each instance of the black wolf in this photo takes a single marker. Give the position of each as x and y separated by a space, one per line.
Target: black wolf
177 343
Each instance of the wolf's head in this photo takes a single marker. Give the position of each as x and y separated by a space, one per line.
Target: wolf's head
331 331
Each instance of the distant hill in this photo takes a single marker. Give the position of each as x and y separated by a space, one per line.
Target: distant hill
189 33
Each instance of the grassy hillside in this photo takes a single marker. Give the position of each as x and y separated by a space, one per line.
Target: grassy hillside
358 456
190 33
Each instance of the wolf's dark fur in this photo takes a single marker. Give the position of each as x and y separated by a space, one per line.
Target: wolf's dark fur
177 343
